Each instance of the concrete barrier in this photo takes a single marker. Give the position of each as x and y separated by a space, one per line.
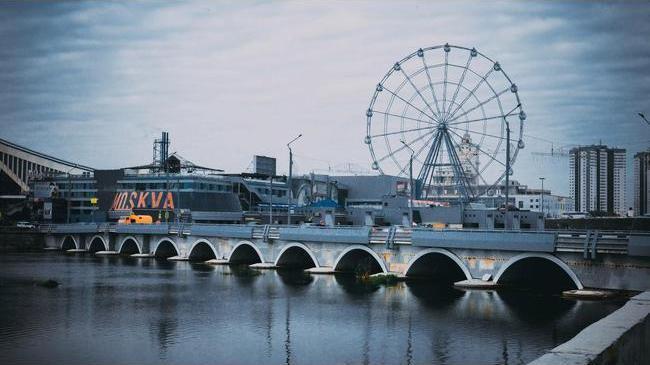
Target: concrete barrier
623 337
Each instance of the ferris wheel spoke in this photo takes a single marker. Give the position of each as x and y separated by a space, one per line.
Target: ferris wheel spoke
412 106
483 79
509 114
493 97
481 150
477 120
418 91
403 117
402 131
444 86
401 148
481 133
433 92
462 78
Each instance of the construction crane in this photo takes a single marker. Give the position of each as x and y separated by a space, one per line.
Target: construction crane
557 152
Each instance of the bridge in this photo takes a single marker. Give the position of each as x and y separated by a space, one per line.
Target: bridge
18 164
565 259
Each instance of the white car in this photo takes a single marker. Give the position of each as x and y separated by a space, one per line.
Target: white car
24 225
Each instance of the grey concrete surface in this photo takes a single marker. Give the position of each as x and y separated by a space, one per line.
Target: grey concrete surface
623 337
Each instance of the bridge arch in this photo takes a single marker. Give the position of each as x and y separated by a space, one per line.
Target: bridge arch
523 263
97 243
439 263
69 242
354 255
166 247
202 250
245 252
129 246
296 254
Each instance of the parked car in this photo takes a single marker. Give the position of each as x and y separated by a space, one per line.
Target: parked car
24 224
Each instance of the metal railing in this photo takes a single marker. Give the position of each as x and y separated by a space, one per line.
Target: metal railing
592 242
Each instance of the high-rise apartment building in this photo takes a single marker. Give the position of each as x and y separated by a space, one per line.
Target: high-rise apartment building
641 186
597 179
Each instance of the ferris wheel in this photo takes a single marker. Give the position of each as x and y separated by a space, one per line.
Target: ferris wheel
449 109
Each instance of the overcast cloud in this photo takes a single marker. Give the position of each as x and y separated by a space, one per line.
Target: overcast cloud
96 82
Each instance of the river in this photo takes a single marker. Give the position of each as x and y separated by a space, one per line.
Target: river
120 310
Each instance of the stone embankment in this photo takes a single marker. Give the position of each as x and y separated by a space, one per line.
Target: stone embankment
623 337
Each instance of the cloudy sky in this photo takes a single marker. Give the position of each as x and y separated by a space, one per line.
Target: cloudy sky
96 82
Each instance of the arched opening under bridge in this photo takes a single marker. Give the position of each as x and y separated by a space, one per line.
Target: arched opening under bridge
97 244
68 243
361 261
438 266
541 272
166 248
202 251
129 246
296 256
245 253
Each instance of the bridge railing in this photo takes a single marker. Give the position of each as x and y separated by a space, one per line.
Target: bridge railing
592 242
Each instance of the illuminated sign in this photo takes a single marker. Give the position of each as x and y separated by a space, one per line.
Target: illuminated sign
130 200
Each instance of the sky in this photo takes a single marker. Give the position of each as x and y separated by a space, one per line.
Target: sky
96 82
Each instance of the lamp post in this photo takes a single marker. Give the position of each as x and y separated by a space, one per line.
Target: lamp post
644 118
69 193
410 181
507 162
542 179
289 190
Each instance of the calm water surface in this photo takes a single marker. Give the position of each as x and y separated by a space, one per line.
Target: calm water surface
143 311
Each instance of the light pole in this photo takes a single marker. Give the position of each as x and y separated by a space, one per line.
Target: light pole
410 181
69 193
271 199
644 118
507 162
542 179
289 190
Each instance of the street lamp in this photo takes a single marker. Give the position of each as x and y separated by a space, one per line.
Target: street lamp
644 118
289 191
410 181
69 193
507 162
542 179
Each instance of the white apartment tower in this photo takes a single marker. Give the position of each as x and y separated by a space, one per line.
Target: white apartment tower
597 179
641 186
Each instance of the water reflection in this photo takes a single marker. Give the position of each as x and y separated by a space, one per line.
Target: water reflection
197 313
287 331
355 287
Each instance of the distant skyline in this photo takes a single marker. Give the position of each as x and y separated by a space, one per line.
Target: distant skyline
96 82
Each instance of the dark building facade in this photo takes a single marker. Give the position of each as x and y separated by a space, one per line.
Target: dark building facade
641 187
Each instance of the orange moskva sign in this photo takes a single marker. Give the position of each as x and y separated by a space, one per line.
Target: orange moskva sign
129 200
